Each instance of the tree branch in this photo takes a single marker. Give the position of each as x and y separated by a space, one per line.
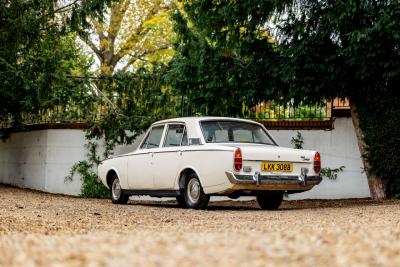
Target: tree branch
118 11
141 56
98 27
140 31
65 8
92 46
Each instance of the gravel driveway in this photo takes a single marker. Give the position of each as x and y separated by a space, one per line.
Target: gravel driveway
38 229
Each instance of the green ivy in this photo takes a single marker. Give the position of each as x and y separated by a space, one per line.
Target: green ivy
379 119
331 174
87 169
297 141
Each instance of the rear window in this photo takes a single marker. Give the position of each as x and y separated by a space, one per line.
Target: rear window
234 132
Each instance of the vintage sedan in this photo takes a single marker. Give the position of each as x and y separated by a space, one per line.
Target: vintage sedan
198 157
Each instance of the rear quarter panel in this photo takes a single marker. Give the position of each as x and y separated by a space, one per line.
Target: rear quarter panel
210 165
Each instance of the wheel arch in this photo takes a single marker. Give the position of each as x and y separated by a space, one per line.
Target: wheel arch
184 173
109 176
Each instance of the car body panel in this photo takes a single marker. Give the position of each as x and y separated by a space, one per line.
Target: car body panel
160 168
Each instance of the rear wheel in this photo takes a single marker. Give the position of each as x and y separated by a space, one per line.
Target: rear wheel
181 201
193 193
270 200
117 193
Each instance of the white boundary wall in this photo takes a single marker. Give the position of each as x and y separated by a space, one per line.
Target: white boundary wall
41 159
338 147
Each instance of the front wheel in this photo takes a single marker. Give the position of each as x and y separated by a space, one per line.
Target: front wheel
270 200
117 193
193 193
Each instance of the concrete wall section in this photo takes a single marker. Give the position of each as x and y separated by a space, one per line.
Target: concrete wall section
23 160
338 148
41 160
64 149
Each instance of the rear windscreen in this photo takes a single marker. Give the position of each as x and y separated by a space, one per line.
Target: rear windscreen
234 132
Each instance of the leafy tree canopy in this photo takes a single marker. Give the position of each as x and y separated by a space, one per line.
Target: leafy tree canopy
234 53
35 50
340 48
226 55
132 34
350 49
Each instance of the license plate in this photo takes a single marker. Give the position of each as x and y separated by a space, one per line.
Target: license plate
276 167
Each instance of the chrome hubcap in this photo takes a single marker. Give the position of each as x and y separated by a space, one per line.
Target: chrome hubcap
193 190
116 189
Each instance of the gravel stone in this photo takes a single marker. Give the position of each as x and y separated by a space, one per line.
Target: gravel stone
40 229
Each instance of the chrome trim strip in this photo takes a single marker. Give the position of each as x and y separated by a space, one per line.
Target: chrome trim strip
171 151
153 193
196 150
182 150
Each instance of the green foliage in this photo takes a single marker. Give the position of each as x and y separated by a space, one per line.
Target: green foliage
36 52
349 49
336 48
331 173
44 76
227 58
379 118
135 34
223 60
130 102
50 92
297 141
87 169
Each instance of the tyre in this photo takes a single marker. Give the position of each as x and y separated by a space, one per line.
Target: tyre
117 193
181 201
270 200
193 193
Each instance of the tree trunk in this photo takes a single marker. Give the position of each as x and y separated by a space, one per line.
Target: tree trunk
376 184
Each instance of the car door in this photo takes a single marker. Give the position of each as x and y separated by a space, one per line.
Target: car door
168 158
140 164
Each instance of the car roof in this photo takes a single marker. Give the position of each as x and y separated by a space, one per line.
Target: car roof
202 118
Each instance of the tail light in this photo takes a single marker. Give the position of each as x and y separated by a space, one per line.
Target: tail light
317 163
238 160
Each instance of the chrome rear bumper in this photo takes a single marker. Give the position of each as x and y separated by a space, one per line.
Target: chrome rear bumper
272 182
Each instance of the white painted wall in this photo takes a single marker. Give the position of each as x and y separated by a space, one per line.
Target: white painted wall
338 148
41 159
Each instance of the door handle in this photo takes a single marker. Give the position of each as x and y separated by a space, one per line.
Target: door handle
151 154
180 152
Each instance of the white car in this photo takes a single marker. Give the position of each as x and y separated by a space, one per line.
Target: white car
198 157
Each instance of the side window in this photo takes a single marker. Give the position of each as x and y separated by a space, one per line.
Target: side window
174 135
154 138
144 144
